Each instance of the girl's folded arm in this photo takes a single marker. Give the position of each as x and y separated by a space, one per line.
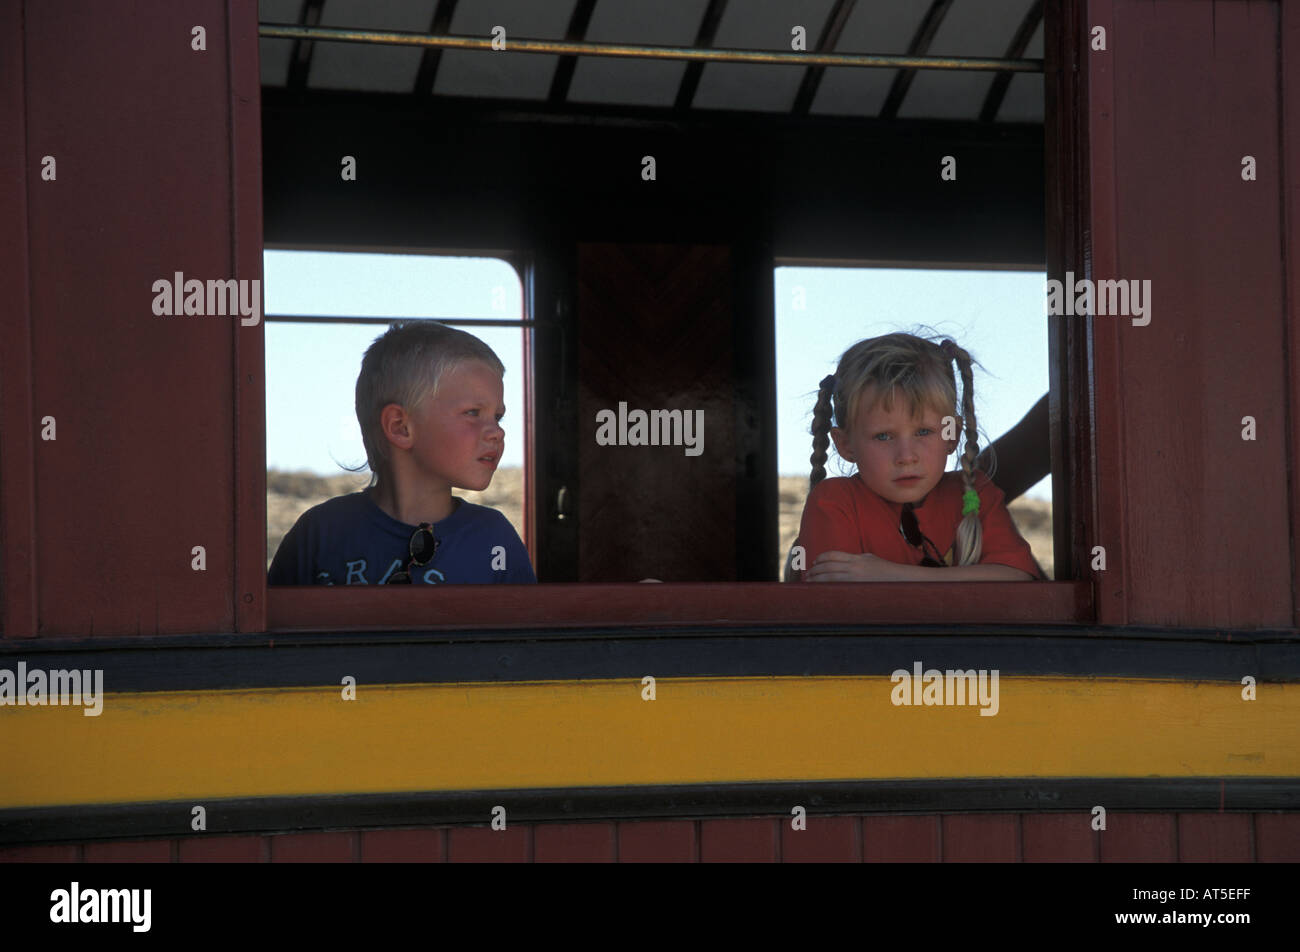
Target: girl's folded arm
1004 547
845 567
827 524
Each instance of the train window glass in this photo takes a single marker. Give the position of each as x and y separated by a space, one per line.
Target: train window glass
995 315
324 308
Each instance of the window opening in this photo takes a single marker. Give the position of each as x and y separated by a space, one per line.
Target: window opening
995 315
324 308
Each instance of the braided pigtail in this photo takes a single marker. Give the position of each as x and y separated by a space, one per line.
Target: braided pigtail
821 428
970 531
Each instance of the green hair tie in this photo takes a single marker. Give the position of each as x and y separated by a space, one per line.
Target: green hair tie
970 502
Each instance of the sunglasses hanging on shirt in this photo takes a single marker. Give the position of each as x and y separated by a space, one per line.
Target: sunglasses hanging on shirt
422 547
910 530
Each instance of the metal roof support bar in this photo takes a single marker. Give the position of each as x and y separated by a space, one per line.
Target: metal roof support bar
350 319
568 48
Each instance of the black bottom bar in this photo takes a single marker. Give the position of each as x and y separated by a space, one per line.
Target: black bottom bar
377 811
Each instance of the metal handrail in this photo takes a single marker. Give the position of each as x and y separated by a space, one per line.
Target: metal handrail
571 48
371 319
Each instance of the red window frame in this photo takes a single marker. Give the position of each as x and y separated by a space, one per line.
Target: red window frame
749 603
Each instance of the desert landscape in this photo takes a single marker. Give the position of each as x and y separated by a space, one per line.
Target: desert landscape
289 495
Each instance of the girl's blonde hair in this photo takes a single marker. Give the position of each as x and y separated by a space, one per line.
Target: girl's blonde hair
919 371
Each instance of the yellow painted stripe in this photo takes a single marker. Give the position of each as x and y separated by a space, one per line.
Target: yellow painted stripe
302 741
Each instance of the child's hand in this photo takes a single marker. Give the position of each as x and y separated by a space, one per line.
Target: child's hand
844 567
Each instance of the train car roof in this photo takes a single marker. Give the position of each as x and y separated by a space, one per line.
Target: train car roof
1007 30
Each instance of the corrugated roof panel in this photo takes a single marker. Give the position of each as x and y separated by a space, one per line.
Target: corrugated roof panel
871 28
503 74
279 11
979 27
760 25
971 28
636 82
274 58
274 54
1024 99
370 67
946 94
1035 48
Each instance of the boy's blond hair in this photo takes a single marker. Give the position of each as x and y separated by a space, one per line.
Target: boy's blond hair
405 365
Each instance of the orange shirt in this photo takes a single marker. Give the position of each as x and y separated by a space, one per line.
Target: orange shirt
843 515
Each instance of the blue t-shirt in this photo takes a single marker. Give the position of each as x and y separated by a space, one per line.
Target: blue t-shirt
348 540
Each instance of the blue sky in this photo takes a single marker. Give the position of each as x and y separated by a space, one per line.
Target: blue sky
998 316
311 369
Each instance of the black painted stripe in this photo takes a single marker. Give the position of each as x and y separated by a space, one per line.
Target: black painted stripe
209 662
238 661
385 811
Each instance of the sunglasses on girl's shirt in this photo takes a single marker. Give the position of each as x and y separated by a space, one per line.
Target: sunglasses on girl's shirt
910 530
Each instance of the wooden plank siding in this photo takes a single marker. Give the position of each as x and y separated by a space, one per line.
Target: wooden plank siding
1199 517
1002 837
1289 161
18 418
158 151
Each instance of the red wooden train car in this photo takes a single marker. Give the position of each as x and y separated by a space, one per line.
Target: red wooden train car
1149 706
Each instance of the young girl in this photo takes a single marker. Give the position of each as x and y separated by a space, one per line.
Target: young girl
901 517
